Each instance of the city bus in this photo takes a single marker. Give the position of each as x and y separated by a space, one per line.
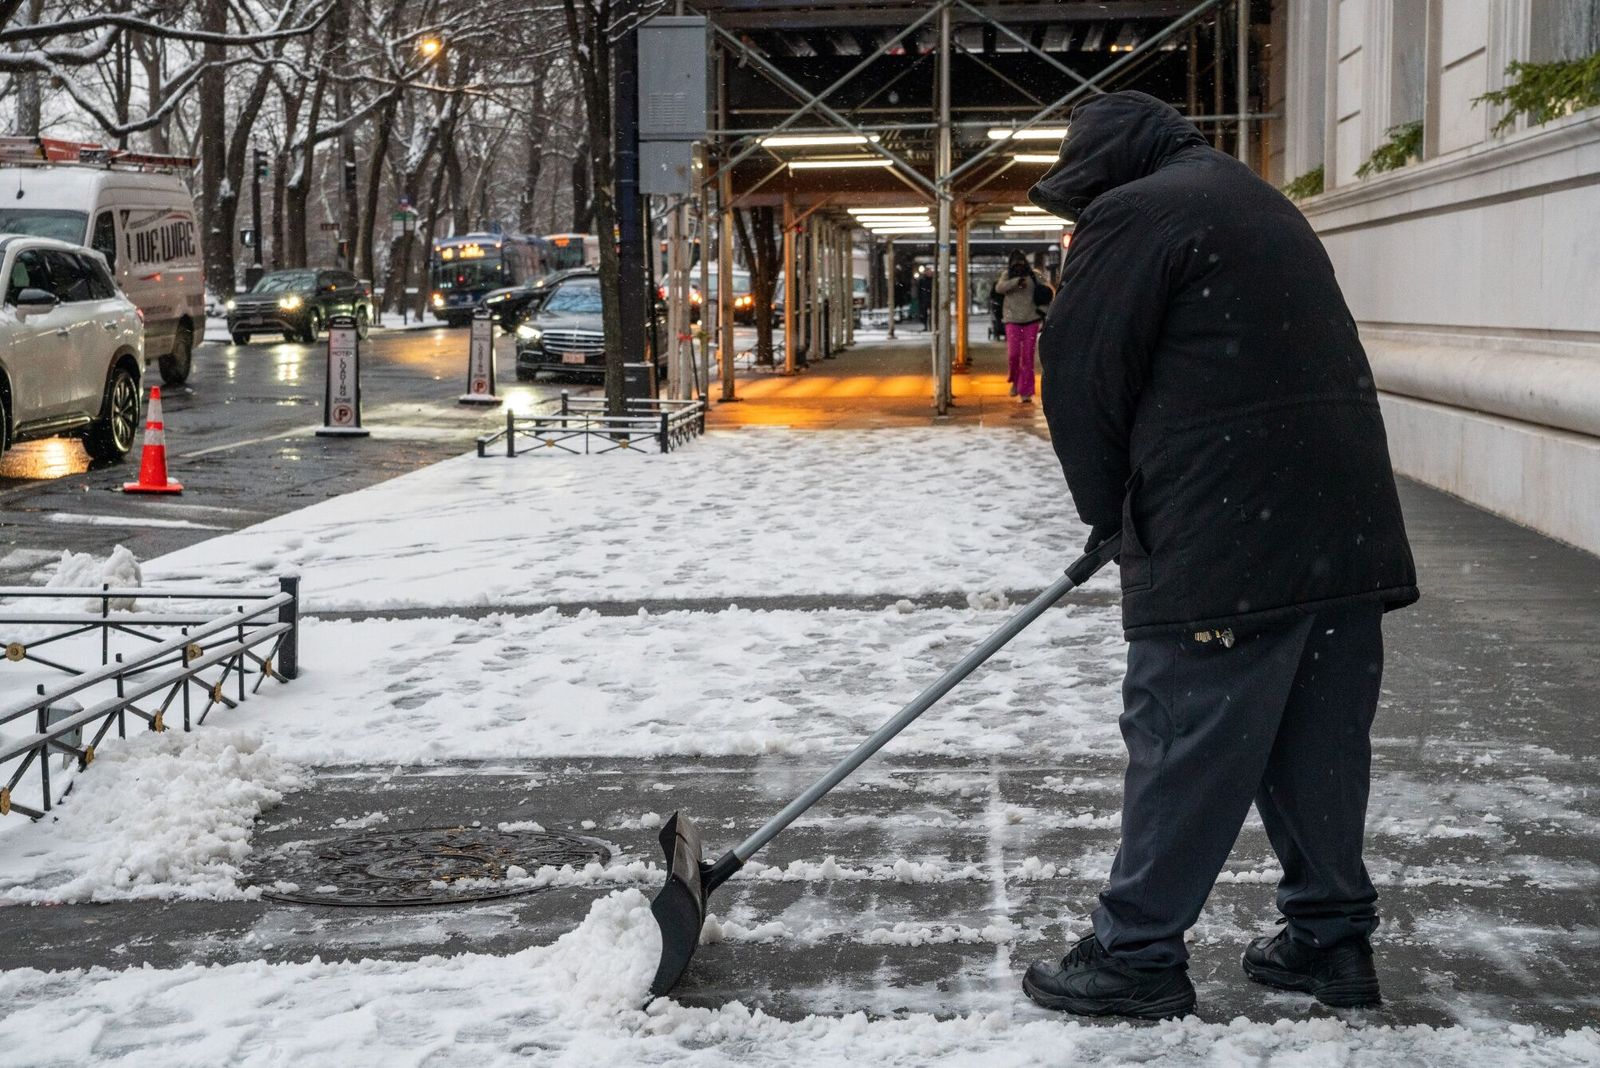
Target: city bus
462 269
573 250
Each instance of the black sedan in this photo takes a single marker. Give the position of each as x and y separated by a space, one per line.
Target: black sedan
297 303
564 332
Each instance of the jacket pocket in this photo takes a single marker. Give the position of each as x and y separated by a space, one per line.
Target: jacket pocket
1134 558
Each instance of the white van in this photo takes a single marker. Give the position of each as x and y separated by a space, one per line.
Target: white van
136 211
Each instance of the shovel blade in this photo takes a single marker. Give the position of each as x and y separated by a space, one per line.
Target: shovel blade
680 907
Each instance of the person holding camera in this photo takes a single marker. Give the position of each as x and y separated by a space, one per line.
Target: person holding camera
1020 289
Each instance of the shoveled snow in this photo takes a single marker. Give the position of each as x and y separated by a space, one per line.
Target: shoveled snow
578 1002
119 570
157 816
832 517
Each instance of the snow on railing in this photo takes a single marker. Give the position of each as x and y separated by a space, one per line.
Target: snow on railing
259 637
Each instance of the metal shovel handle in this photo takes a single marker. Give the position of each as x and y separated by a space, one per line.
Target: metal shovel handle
1076 575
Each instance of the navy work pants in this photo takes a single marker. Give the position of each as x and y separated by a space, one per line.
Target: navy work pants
1283 718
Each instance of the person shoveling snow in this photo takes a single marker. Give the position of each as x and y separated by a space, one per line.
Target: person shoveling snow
1209 398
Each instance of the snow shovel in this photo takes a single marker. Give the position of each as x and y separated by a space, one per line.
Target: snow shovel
680 907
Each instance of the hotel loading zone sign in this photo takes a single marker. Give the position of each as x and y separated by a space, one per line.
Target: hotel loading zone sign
480 361
341 406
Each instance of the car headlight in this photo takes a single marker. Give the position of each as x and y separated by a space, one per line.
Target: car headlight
438 300
528 332
290 303
230 304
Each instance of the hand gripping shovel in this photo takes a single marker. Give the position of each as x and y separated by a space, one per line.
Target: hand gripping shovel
680 907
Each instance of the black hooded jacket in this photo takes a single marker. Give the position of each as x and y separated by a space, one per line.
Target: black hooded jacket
1205 386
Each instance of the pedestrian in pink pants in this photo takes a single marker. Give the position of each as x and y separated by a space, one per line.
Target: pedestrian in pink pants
1020 311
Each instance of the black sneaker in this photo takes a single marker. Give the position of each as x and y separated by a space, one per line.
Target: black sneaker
1091 982
1341 975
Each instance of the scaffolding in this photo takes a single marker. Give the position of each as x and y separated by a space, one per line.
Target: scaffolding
824 106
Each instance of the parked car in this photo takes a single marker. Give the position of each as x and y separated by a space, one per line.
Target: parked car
136 211
509 306
564 333
298 303
71 348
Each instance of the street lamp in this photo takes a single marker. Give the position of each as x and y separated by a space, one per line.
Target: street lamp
430 47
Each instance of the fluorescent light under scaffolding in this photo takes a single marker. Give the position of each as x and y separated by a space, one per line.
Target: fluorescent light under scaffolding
808 140
1034 133
838 164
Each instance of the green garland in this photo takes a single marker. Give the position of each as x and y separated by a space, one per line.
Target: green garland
1405 141
1546 91
1308 184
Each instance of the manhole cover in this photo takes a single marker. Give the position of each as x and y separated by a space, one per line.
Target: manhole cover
422 866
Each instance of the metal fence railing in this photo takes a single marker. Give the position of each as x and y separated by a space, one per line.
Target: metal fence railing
180 659
580 425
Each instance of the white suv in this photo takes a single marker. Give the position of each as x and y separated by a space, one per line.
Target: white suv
71 348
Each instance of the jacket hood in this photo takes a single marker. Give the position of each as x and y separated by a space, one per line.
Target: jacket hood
1112 140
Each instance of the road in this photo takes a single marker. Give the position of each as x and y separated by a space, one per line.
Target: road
240 439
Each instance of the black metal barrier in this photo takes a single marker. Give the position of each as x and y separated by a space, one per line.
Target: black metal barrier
580 425
190 651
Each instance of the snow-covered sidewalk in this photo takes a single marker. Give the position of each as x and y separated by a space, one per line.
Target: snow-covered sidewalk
887 926
740 513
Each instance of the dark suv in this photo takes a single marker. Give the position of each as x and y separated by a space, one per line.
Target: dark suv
296 303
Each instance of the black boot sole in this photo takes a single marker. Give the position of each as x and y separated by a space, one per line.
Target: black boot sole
1180 1004
1336 993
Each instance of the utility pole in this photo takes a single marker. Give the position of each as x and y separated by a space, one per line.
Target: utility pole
632 303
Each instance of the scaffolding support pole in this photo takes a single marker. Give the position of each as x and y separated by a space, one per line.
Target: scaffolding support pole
791 288
847 294
1241 77
724 237
676 317
941 277
849 238
725 285
816 343
963 298
710 303
888 261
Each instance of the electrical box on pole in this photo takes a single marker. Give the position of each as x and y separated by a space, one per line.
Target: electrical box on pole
672 78
673 102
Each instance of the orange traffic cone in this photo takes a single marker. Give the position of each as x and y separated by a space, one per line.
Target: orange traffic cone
153 462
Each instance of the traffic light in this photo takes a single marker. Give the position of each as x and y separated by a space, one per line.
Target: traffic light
262 170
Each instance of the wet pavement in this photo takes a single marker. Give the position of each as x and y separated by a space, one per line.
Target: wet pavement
1483 840
240 438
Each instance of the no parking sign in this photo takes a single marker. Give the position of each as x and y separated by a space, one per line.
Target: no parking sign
480 361
341 398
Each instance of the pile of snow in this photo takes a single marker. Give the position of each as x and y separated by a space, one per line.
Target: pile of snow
578 1002
156 816
830 518
119 569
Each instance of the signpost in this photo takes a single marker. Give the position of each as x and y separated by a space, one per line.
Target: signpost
480 361
341 405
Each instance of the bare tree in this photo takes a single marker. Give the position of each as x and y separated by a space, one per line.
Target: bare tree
760 246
